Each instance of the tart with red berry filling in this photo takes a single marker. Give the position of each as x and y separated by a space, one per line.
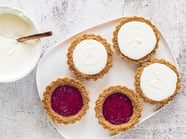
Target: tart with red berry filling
65 100
118 108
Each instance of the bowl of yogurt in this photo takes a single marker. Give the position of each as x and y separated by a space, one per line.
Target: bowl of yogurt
16 59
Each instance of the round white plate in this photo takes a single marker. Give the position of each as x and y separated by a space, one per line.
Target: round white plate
53 65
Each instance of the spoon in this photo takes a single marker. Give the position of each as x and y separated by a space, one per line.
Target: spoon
34 36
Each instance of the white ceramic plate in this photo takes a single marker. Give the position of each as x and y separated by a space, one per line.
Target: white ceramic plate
53 65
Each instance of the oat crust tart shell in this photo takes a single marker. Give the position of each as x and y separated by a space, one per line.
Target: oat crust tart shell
65 100
157 81
135 39
89 57
118 108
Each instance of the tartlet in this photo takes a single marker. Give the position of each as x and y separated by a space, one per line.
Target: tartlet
157 81
135 39
89 57
118 108
65 100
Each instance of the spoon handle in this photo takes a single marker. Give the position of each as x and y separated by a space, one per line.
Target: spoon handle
34 36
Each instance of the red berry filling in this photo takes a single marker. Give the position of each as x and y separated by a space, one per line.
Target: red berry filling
66 100
117 108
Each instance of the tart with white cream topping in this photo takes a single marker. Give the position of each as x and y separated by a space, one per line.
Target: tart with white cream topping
89 57
135 39
157 81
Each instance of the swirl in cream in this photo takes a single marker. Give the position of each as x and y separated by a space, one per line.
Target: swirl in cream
90 57
136 39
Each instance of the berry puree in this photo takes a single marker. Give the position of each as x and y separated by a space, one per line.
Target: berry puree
66 100
117 108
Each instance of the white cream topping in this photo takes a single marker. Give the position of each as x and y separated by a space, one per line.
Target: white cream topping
90 57
16 58
136 39
158 81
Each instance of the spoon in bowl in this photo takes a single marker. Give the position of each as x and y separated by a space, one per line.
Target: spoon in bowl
34 36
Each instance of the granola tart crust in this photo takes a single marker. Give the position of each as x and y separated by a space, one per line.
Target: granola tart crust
47 103
140 91
116 45
70 62
136 109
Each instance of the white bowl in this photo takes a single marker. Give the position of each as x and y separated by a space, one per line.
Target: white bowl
16 62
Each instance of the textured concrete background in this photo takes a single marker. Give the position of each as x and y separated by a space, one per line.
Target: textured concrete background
21 113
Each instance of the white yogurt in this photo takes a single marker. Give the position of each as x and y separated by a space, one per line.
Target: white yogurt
16 59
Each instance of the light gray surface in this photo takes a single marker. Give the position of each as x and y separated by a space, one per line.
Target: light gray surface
21 113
